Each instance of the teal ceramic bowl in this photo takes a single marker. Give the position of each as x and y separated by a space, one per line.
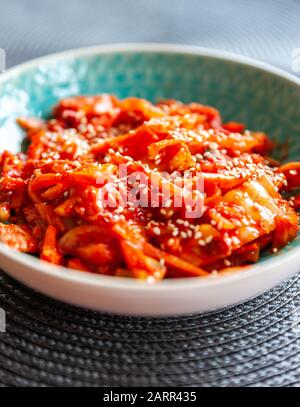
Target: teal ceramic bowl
259 95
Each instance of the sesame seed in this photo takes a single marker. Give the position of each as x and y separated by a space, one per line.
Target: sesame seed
156 230
171 241
162 262
198 235
235 240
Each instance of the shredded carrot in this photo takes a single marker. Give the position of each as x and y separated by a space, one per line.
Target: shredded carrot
50 251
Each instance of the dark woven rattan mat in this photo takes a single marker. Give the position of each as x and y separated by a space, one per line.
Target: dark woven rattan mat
48 343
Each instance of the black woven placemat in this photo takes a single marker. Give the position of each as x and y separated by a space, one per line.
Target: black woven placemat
52 344
48 343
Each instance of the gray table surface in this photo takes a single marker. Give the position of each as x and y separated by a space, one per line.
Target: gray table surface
48 343
267 30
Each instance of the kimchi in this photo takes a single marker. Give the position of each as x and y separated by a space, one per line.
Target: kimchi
150 191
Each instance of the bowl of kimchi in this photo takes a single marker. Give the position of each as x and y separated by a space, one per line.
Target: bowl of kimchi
149 179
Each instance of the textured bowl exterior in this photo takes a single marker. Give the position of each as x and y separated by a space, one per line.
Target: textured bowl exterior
243 90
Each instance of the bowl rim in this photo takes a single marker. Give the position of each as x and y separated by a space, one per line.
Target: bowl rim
64 273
